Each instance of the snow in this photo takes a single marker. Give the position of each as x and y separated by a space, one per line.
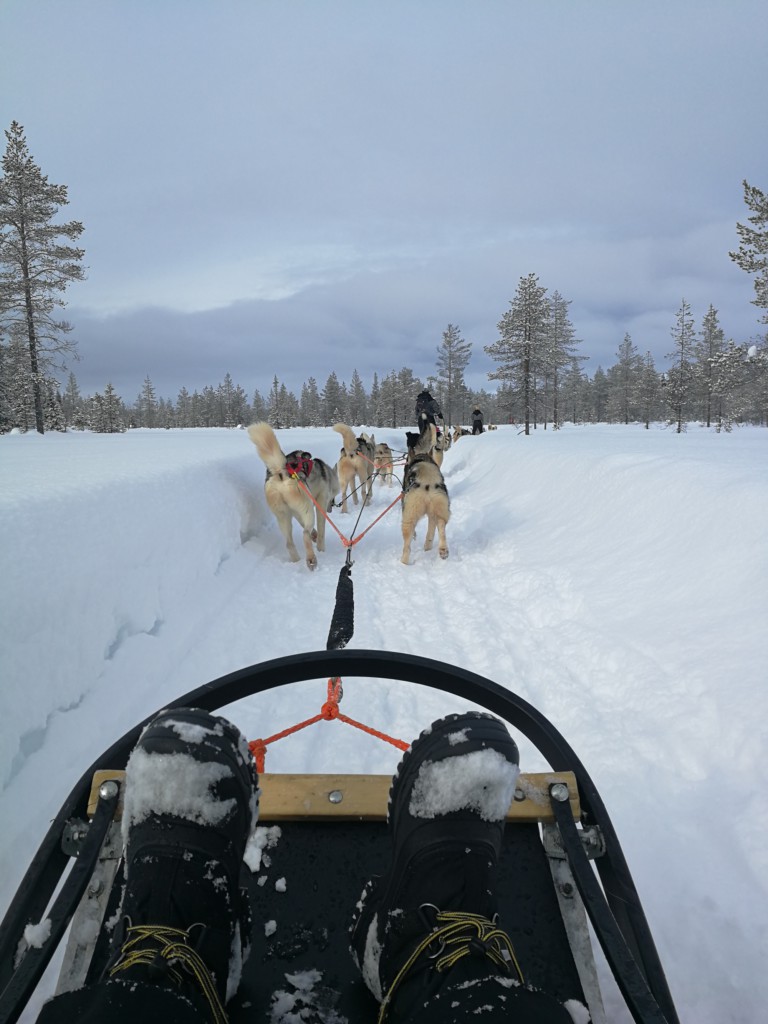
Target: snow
461 782
612 576
174 784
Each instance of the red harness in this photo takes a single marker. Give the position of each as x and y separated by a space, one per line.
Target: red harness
303 465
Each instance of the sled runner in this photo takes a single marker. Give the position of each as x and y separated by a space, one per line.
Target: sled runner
320 837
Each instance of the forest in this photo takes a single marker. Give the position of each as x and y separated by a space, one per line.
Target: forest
538 380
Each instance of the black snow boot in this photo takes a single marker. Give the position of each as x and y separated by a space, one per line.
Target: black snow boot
429 924
190 805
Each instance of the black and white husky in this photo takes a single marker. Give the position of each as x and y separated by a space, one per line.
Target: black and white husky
287 499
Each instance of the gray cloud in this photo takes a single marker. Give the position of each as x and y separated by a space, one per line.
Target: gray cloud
293 188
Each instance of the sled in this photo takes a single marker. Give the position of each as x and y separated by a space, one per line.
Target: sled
323 837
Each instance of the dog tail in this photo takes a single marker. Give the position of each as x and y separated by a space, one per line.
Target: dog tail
348 436
263 436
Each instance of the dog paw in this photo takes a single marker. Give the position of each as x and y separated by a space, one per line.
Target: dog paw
443 552
311 563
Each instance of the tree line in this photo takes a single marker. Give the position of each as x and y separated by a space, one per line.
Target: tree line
540 379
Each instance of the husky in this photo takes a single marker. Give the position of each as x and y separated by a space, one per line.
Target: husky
383 463
356 461
425 494
460 432
287 499
424 441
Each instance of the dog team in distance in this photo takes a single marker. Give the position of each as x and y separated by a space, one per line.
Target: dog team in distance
300 487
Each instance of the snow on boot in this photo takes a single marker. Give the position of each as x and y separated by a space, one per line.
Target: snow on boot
190 805
431 917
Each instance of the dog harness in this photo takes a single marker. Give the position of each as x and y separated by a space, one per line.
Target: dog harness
302 464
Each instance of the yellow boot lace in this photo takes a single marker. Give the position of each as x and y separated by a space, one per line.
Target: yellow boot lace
458 935
145 943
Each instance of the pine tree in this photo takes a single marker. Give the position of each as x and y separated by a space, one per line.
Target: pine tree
334 401
453 356
752 254
705 352
184 415
648 389
727 382
680 375
258 408
559 351
310 414
624 381
35 266
523 334
146 404
600 393
106 413
74 415
358 400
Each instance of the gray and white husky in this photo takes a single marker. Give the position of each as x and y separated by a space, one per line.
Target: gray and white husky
356 461
287 499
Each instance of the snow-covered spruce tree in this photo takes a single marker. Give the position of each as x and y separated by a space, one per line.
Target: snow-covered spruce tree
752 254
258 408
679 381
358 400
453 356
106 414
728 381
35 264
310 414
559 352
624 381
334 401
373 402
146 405
705 352
600 392
648 389
73 404
523 330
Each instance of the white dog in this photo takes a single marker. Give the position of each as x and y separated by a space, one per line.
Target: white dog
425 494
355 462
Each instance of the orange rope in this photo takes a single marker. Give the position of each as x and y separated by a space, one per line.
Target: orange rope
328 712
346 541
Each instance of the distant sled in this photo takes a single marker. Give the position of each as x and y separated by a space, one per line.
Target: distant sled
562 864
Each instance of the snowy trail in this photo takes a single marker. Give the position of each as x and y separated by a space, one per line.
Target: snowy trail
612 577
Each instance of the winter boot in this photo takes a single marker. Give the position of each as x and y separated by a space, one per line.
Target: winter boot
190 805
431 919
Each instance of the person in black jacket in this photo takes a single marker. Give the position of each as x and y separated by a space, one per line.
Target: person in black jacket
477 421
427 406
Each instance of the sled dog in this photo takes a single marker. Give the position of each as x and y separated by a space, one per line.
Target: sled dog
460 432
383 463
355 462
424 494
422 443
287 499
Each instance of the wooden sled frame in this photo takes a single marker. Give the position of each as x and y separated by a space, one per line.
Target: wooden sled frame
604 885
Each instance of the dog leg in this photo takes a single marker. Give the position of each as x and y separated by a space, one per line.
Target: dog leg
319 533
431 524
442 543
409 530
284 521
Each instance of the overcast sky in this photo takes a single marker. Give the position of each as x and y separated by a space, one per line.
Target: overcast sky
292 187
